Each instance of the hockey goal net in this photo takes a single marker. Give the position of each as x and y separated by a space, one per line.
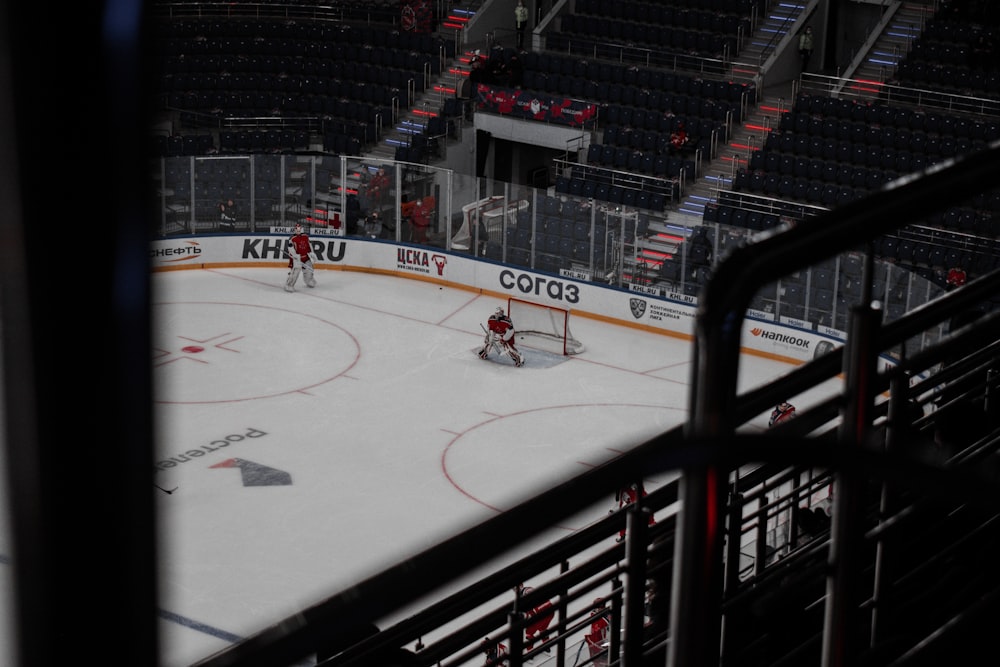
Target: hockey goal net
543 327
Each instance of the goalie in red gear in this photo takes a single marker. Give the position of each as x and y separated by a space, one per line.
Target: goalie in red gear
300 259
500 337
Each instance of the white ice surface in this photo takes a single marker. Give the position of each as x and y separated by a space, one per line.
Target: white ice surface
367 392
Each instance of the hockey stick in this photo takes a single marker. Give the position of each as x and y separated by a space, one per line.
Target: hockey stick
492 341
501 350
494 345
167 491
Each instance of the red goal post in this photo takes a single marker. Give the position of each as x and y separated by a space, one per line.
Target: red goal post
543 327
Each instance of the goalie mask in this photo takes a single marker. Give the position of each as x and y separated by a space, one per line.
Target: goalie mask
298 229
499 312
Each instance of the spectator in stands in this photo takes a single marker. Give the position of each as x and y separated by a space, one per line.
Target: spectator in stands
679 139
806 47
477 72
227 214
520 23
956 277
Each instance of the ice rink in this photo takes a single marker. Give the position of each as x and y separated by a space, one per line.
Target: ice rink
307 440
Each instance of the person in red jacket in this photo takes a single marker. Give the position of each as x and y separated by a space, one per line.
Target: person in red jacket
496 653
781 413
420 221
378 188
628 496
300 259
679 139
956 277
538 618
500 337
597 638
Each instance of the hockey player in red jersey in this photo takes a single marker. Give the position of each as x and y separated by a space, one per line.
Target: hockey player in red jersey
500 337
300 259
628 496
597 638
537 618
781 413
496 653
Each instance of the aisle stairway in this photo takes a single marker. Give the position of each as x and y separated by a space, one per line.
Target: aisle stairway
774 25
769 35
430 110
889 44
900 28
746 137
664 238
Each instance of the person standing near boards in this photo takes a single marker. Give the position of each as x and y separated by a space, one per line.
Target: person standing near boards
520 23
806 47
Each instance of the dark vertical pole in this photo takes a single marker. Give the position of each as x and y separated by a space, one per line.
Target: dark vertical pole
561 612
516 622
81 475
615 635
899 425
637 538
841 624
695 609
698 574
734 533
